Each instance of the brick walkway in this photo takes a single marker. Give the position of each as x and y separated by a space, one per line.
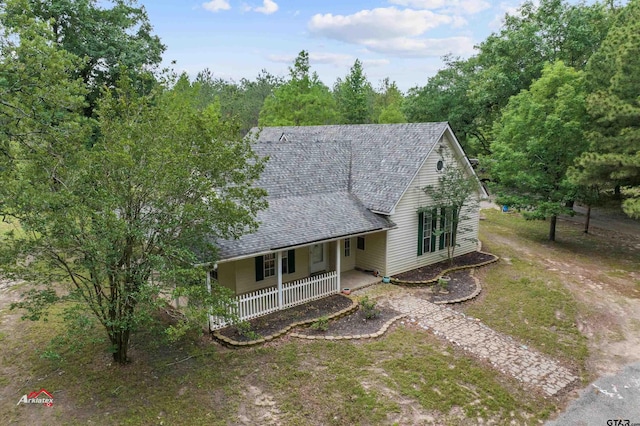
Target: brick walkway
505 354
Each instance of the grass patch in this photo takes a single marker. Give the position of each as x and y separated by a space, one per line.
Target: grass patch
441 380
571 242
296 382
525 298
523 302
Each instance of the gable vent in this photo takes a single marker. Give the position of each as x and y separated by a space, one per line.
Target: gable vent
283 138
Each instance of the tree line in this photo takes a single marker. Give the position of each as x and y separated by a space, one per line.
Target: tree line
549 103
120 173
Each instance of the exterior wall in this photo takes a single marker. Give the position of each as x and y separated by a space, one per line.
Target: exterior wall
348 263
402 242
227 274
241 274
374 255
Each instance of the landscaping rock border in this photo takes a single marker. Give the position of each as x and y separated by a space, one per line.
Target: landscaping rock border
234 343
378 333
446 271
465 298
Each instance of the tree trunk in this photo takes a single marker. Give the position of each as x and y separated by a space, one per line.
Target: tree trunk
587 220
552 228
120 342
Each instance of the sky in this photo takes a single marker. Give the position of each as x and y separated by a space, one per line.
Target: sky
400 39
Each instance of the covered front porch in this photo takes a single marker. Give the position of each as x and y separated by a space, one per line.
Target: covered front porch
264 301
285 278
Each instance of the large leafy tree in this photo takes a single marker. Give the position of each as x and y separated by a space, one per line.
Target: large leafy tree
548 31
537 139
614 106
302 100
388 103
161 181
445 98
241 101
111 40
471 93
354 96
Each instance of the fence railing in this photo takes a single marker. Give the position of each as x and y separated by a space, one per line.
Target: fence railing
264 301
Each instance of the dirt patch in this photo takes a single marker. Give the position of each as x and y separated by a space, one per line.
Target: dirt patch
431 272
271 324
354 324
263 410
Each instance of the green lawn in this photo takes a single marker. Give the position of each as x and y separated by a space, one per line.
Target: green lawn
297 382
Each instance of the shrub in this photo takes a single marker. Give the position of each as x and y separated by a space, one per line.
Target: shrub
244 330
321 324
369 308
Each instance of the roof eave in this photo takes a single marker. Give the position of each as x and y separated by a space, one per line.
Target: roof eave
308 243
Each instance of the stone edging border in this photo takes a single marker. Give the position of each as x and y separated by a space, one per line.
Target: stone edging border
227 341
378 333
446 271
465 298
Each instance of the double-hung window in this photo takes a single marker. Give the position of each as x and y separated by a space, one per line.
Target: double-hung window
347 247
435 229
266 264
269 265
427 222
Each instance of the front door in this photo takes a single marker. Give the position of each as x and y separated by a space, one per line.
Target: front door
317 258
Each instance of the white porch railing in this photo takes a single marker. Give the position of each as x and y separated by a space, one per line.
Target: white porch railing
264 301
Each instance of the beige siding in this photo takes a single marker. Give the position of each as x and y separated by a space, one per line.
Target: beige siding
374 255
348 263
402 242
243 275
227 274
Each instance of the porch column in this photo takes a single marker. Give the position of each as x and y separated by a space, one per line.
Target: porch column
338 252
208 282
279 269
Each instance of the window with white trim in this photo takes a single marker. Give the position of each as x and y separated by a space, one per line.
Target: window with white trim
284 265
347 247
269 265
448 226
428 226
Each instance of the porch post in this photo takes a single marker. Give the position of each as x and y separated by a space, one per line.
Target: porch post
208 283
279 269
338 252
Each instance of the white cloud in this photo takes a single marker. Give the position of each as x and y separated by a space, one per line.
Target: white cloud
503 9
216 5
268 7
471 7
420 4
422 47
381 23
393 31
375 62
468 7
315 58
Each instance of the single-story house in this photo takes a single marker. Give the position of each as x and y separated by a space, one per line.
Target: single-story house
342 197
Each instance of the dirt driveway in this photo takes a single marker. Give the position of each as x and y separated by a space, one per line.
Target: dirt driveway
613 323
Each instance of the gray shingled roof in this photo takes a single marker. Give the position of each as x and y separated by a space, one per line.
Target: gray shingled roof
324 181
385 158
297 220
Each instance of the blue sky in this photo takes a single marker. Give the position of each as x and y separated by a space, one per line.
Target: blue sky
400 39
